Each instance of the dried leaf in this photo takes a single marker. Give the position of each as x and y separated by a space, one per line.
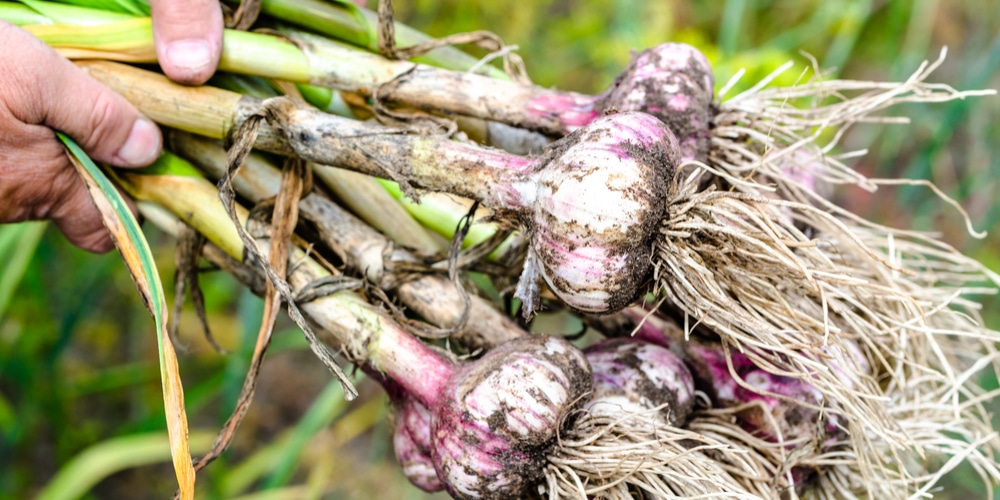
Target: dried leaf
241 147
286 215
132 246
189 247
244 16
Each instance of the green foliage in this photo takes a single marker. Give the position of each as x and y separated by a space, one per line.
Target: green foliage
93 464
17 244
133 7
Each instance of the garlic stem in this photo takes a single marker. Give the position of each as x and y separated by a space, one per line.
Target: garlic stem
493 420
592 204
433 297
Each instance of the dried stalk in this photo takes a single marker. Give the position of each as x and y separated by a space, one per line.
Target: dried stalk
366 252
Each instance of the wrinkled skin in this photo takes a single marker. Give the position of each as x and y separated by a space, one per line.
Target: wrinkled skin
41 92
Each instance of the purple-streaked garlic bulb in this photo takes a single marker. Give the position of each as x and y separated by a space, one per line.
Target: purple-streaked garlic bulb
633 376
492 420
790 403
495 421
794 421
673 82
786 402
592 204
411 440
596 206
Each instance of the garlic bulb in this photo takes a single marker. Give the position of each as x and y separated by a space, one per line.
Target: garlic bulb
673 82
497 417
597 205
411 440
635 376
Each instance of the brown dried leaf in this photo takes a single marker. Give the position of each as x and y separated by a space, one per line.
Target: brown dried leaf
244 16
283 222
186 256
241 147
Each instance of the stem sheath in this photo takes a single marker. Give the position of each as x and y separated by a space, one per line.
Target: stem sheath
365 334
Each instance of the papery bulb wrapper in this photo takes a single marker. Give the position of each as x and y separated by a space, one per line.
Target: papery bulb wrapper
673 82
599 202
411 440
639 376
495 424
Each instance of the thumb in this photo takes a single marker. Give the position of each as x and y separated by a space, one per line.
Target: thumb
188 36
47 89
39 91
104 124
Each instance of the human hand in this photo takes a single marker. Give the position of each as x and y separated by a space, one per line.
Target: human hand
41 91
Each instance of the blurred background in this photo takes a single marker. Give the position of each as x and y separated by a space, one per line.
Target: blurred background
80 403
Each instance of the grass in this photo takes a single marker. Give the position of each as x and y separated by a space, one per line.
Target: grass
78 368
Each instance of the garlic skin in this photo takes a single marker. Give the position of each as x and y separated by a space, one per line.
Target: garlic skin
795 421
411 441
675 83
571 110
499 416
780 409
635 376
598 204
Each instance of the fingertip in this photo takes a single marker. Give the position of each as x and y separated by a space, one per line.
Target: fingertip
190 60
105 124
188 37
143 145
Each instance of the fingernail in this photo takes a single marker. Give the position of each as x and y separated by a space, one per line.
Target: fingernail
142 145
190 53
